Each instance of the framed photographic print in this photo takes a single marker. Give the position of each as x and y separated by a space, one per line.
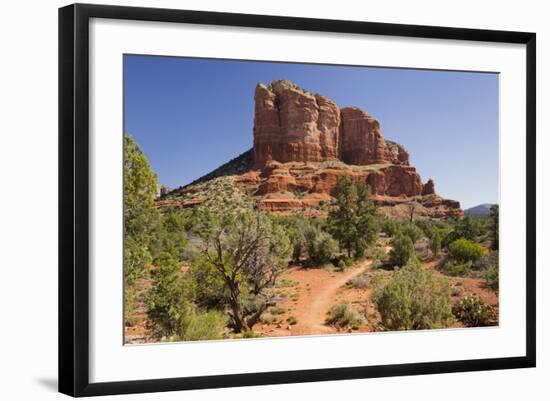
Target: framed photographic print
249 199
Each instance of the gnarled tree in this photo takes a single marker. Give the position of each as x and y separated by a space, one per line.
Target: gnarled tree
245 249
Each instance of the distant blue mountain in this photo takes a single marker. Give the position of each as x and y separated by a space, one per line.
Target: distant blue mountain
479 210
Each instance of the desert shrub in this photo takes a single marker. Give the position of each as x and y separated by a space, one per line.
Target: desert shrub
170 236
294 227
204 326
348 262
414 299
402 251
130 298
250 334
435 242
342 315
277 310
457 291
168 300
390 227
468 228
463 250
321 247
360 282
452 268
340 265
426 226
268 318
206 286
491 274
412 231
473 312
292 320
377 254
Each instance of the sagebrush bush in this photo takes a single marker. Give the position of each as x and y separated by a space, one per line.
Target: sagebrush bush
463 250
414 299
342 315
320 246
204 326
435 242
277 310
491 274
473 312
457 291
359 282
452 268
412 231
292 320
402 251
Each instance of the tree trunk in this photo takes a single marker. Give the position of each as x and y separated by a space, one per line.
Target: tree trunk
239 321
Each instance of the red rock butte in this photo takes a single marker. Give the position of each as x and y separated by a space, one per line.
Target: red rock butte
303 142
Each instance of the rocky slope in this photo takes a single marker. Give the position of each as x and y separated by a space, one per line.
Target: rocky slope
302 144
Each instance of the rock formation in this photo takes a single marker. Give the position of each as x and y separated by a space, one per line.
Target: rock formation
292 125
304 142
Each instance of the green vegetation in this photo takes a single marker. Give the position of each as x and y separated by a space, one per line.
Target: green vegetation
140 216
342 315
491 273
213 271
353 219
402 251
435 242
414 299
463 251
320 246
473 312
494 218
292 320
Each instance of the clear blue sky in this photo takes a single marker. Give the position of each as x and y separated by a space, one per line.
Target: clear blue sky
192 115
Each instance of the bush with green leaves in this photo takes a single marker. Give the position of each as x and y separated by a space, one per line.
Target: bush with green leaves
414 299
468 227
473 312
174 315
207 288
491 274
402 250
412 231
463 250
360 282
170 236
389 226
342 315
320 246
203 326
453 268
168 298
435 242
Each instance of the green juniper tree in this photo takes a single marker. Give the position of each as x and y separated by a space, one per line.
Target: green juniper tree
353 218
140 217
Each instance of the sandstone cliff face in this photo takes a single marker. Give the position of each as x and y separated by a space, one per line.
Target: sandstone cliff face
291 125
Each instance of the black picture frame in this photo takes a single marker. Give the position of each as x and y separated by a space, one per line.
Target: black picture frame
74 198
